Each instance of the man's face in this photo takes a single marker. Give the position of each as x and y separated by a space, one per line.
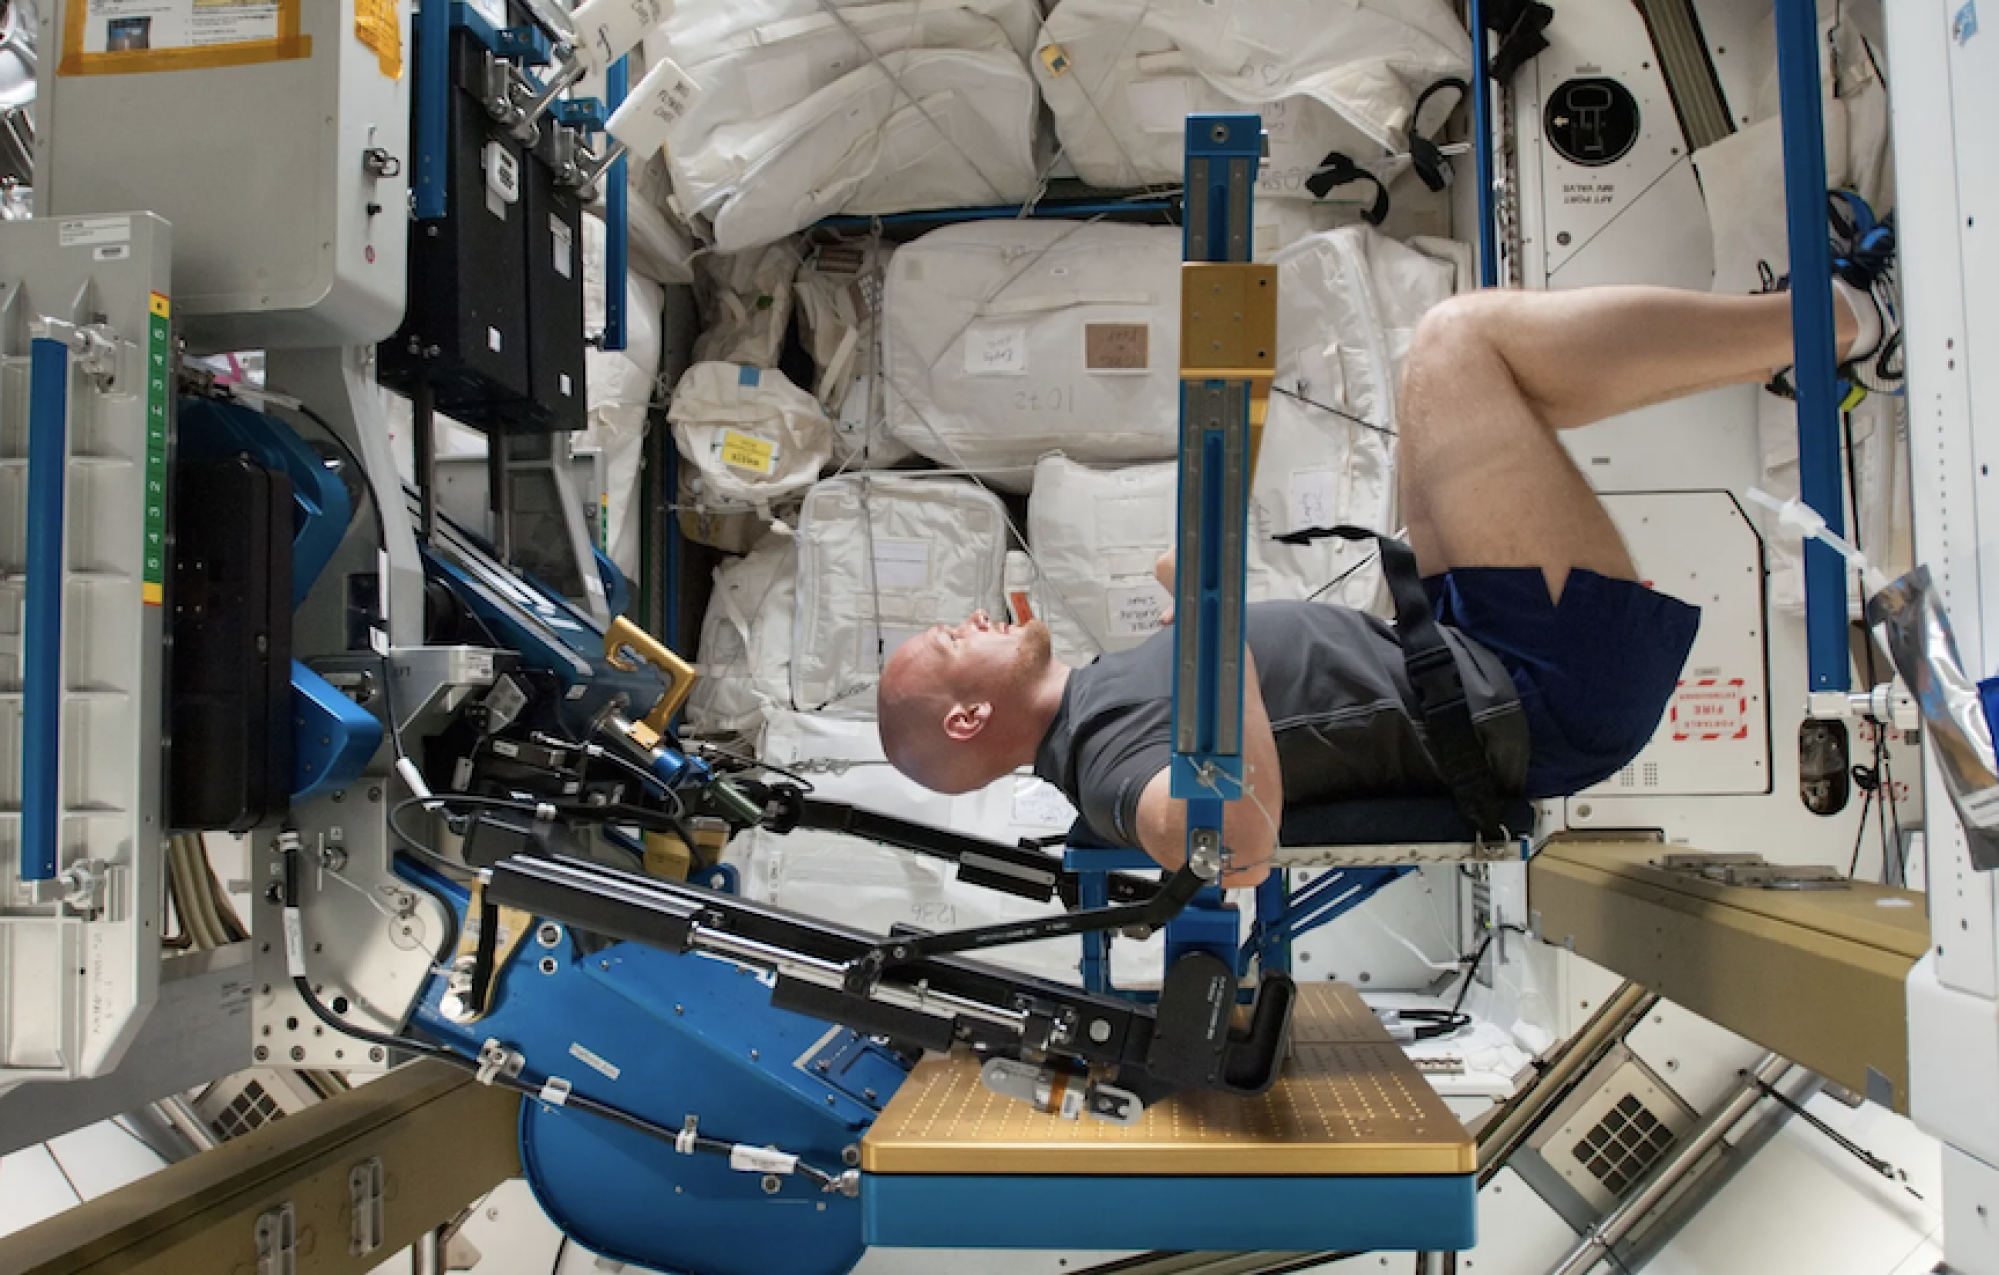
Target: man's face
983 658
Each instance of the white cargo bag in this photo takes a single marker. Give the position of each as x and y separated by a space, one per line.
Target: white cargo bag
744 661
1006 340
619 385
1121 76
881 557
755 438
1094 536
839 308
745 301
917 129
1348 302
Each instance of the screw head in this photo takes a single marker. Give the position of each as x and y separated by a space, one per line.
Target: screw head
1100 1030
549 934
262 1053
547 965
376 1054
772 1184
298 1053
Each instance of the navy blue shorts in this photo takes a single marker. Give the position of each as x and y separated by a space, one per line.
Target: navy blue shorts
1594 671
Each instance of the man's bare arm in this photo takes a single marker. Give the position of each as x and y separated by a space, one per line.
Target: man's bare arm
1249 824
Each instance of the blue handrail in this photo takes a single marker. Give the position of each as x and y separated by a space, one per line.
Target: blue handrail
616 193
41 666
1481 115
1813 357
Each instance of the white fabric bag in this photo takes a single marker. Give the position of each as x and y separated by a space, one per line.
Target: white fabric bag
1121 76
881 557
922 128
619 386
744 660
746 301
1348 302
1005 340
839 308
1094 535
754 437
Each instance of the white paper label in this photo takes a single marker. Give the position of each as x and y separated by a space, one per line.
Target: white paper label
564 240
294 944
996 351
1159 106
760 1160
606 30
111 252
647 118
901 564
1133 610
1312 498
562 379
593 1062
493 340
78 232
1040 804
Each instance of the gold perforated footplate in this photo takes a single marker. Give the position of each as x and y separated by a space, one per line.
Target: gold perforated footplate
1349 1103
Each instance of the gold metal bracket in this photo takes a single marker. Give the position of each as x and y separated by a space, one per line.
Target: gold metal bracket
625 636
1228 331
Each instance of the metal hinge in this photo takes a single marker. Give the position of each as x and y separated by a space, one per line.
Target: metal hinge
277 1241
365 1198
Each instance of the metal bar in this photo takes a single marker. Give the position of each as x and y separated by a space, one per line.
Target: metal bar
1481 114
616 195
42 680
1814 361
423 440
432 92
499 494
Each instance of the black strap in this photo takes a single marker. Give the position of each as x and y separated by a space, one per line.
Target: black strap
1454 743
1424 153
1338 170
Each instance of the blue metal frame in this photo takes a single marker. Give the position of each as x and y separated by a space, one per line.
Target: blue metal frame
1435 1213
1212 143
431 108
616 196
1814 360
1481 114
42 682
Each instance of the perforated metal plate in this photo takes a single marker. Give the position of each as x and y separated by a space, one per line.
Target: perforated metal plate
1349 1103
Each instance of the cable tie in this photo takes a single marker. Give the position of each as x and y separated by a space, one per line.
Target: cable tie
555 1091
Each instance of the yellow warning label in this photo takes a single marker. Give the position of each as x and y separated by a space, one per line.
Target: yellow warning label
378 25
120 37
1057 61
162 308
747 451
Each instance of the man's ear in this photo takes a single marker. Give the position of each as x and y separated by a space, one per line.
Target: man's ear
965 721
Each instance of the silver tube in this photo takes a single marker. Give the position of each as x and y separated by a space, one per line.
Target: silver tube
568 70
175 1110
1597 1245
427 1254
810 969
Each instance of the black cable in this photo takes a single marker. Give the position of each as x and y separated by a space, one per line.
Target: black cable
1471 973
805 784
1860 836
1334 411
561 1250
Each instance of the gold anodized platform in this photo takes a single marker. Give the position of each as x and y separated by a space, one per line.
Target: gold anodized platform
1348 1104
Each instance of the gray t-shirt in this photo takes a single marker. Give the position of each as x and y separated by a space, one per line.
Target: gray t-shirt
1347 722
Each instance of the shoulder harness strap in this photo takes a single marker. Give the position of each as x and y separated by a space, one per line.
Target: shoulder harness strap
1433 672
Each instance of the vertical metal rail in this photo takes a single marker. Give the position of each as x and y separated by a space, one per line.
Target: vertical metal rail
1212 543
432 91
1814 358
42 681
1481 115
616 196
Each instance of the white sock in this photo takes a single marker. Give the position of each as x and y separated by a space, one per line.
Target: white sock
1861 305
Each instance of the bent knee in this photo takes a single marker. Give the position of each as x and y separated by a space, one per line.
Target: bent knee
1463 321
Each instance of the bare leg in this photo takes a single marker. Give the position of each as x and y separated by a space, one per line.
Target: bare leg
1491 376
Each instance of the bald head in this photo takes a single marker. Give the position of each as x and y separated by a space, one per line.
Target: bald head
961 706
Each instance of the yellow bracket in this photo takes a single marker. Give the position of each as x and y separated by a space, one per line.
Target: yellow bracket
514 926
1228 331
625 636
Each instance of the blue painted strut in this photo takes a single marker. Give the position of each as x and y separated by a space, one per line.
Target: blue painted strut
1814 359
1481 114
41 667
432 92
616 193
